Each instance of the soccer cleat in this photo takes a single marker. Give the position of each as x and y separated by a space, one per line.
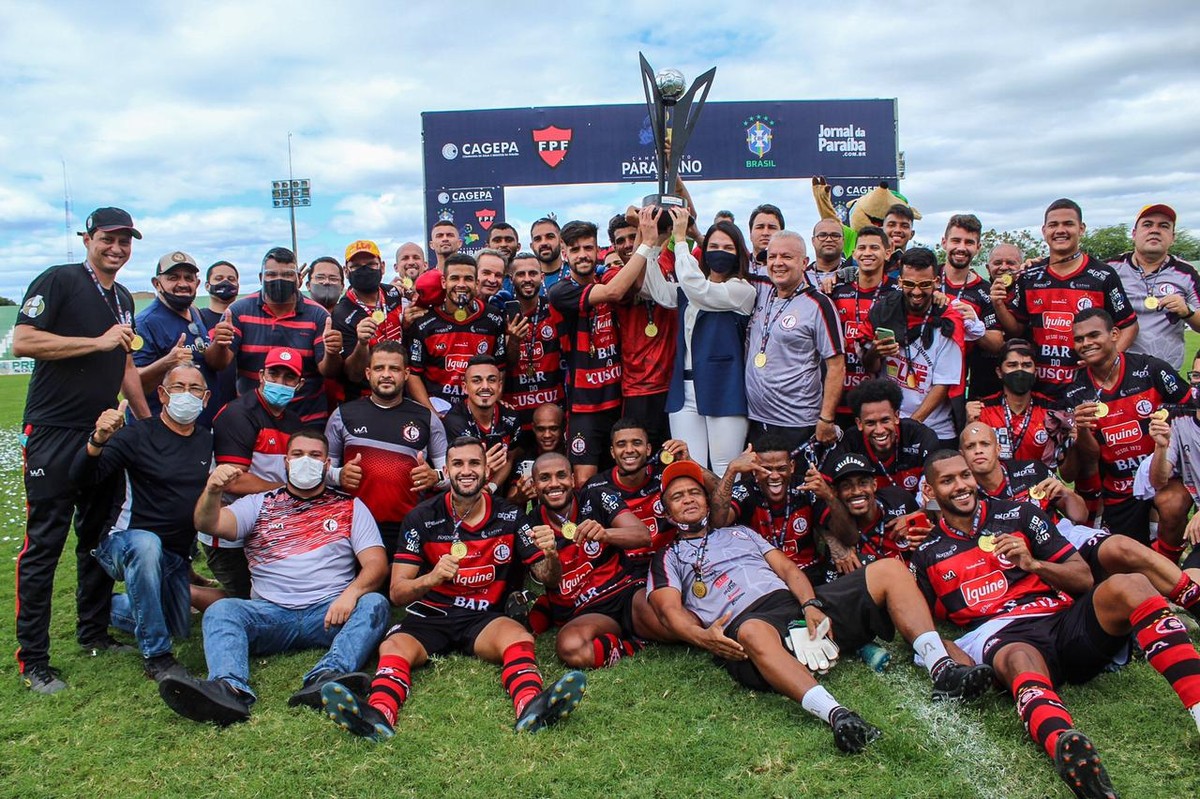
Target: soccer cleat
42 678
353 714
850 733
213 701
310 695
957 681
553 704
517 606
1078 763
106 645
158 667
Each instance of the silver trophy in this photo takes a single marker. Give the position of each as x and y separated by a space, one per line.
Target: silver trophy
673 109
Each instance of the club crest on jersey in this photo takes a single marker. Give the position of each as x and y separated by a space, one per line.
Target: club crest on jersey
1041 437
591 548
788 322
502 553
547 332
800 524
658 507
330 525
481 348
1083 303
578 445
910 481
1144 408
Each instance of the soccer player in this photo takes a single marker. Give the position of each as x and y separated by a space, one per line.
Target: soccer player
1021 417
535 347
877 513
1174 473
480 414
503 237
854 300
546 242
598 604
1001 569
969 294
451 573
445 241
728 591
370 312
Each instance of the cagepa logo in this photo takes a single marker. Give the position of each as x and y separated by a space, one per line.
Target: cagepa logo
449 151
480 149
760 136
466 196
486 217
552 144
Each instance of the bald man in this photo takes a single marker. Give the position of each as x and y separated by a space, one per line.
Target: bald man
410 263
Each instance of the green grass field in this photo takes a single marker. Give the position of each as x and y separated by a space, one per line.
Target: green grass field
666 723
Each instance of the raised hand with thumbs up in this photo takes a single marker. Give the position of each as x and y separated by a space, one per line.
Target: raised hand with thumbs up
352 473
424 477
108 424
181 354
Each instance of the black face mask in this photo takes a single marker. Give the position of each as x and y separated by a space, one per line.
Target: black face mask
279 290
223 291
177 302
721 262
325 294
365 280
1020 382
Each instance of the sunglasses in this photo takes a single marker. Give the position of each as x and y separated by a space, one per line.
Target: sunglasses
923 285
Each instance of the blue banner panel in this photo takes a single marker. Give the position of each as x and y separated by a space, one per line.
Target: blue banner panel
472 209
613 143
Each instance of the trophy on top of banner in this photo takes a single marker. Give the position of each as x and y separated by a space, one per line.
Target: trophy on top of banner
674 109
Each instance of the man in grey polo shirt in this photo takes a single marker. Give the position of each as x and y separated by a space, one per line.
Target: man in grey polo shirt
1162 288
795 363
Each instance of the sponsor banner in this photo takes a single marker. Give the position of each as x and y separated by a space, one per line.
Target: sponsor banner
17 366
473 210
613 144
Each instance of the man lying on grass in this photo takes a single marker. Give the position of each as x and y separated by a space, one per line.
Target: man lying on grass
727 590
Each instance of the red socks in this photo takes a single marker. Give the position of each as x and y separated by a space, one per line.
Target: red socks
609 648
520 675
1168 648
1168 551
1186 593
390 686
1041 709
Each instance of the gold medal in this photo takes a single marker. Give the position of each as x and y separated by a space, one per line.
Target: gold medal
530 372
987 543
406 282
1162 414
760 360
666 457
912 380
1101 410
458 550
136 343
568 531
379 316
1037 492
651 330
1005 280
1151 303
699 589
460 315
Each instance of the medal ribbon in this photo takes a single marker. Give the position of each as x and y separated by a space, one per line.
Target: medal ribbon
772 319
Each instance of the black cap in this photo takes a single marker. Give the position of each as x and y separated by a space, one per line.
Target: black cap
850 463
110 219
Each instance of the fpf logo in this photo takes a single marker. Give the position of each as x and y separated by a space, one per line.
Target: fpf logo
552 144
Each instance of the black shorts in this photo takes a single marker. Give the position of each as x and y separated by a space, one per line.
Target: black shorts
618 607
454 632
1129 517
1072 642
589 436
855 618
1090 552
651 411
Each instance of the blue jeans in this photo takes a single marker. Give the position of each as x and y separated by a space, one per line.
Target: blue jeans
234 629
157 603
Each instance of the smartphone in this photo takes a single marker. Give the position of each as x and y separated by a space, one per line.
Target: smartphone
424 610
882 333
512 309
525 469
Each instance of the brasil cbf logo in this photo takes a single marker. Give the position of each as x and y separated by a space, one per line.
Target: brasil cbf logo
760 137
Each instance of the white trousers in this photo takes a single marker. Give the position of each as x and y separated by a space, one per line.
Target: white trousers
712 441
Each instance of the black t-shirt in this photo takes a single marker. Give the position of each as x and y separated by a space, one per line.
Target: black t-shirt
504 428
166 473
349 311
72 392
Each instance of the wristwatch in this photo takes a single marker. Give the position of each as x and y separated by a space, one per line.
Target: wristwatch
814 602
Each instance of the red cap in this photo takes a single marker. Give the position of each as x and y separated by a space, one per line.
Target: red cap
679 469
429 288
286 357
1157 208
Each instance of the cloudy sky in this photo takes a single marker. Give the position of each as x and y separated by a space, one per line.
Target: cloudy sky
180 112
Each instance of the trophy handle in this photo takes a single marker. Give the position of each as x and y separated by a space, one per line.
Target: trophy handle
682 124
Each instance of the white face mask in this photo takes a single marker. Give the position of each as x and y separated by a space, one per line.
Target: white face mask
184 407
305 472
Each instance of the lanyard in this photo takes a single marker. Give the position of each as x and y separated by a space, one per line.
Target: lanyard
980 506
534 322
773 318
1017 437
920 347
113 302
877 533
454 517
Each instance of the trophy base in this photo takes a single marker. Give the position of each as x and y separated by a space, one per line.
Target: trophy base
664 201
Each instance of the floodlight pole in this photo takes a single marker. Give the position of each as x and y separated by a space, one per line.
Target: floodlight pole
292 205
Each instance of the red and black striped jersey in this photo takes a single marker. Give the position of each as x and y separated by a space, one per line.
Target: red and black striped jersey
1019 477
591 572
246 433
967 584
853 304
872 543
643 355
789 526
440 346
1021 436
349 311
538 375
1143 384
646 504
904 466
1047 303
502 429
493 545
389 440
595 355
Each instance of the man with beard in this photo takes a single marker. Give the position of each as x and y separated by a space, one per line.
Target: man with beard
1020 415
451 573
480 414
854 299
370 312
1173 474
535 358
1001 570
317 561
445 241
924 352
1163 289
503 237
398 443
445 339
728 591
172 330
1112 398
896 447
829 266
546 243
780 505
1046 296
222 283
877 514
589 322
410 265
598 605
279 316
325 281
969 294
